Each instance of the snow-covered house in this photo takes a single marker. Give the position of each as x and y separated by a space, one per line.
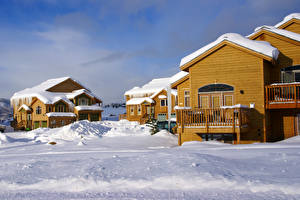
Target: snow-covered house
54 103
151 100
230 87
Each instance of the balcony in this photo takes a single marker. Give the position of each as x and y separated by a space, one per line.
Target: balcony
283 95
214 121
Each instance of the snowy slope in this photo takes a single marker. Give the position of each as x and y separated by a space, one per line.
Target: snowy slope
5 111
121 160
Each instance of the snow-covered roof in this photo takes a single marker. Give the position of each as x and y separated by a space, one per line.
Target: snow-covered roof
92 107
162 96
288 18
282 32
258 46
25 107
60 114
155 86
137 101
40 92
178 76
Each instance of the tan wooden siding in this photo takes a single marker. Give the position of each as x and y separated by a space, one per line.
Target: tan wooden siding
290 50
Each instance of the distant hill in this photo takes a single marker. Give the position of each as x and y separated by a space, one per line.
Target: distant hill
5 111
113 110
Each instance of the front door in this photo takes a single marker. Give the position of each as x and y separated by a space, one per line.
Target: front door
215 100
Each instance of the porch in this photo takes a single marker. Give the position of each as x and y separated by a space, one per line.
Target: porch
283 95
212 121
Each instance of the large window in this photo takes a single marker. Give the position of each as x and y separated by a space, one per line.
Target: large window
215 96
187 99
38 110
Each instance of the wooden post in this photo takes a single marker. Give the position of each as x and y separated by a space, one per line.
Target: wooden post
240 119
206 118
233 121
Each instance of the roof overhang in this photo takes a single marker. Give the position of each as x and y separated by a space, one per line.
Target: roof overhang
189 64
183 79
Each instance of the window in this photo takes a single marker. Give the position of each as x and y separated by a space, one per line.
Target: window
161 117
139 109
95 117
83 116
131 110
83 101
49 109
228 100
186 98
38 110
62 122
215 88
28 116
163 102
36 124
60 107
53 122
44 124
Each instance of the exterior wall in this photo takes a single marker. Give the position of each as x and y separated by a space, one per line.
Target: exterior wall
66 86
157 108
39 117
243 71
54 122
89 113
289 49
184 86
284 123
293 26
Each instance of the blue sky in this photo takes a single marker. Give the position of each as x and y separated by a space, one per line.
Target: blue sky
113 45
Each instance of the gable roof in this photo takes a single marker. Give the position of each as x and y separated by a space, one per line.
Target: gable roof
288 18
155 86
260 47
40 92
272 29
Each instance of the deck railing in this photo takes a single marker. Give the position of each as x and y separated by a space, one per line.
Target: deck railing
122 116
219 117
283 94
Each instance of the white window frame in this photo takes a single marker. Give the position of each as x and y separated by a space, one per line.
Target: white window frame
139 109
165 102
131 110
186 96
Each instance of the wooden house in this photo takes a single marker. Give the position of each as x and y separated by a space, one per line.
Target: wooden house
54 103
237 89
151 100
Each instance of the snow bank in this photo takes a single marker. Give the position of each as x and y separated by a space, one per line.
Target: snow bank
71 132
5 139
126 128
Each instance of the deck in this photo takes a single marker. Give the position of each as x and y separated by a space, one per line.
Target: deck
283 95
213 121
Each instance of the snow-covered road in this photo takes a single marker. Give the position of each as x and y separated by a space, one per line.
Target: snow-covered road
120 160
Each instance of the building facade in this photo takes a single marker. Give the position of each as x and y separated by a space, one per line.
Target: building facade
54 103
242 90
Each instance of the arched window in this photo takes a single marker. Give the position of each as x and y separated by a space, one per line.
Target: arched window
38 110
215 95
216 88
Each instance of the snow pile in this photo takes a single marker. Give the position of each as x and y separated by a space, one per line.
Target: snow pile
137 101
71 132
126 128
257 46
5 139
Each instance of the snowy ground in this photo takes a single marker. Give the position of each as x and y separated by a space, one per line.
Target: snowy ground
120 160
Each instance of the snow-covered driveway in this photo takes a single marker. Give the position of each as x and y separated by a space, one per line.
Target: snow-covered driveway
120 160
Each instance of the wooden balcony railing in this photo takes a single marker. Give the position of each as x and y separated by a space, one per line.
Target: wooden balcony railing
220 117
285 95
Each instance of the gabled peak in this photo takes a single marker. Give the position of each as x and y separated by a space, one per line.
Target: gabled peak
260 47
288 18
282 32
